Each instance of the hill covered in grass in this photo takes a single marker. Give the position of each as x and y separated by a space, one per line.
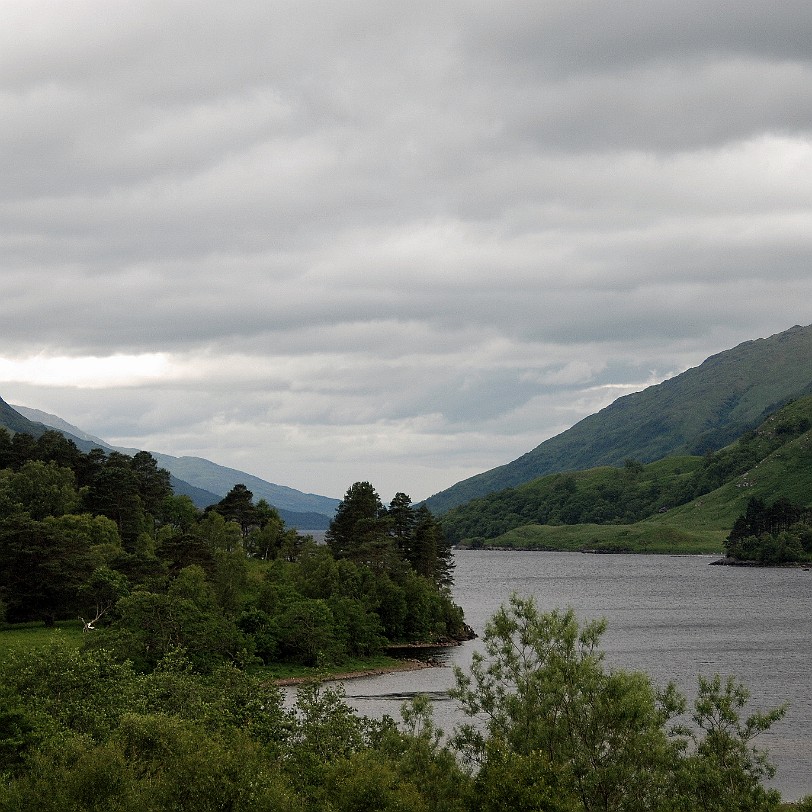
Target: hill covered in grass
677 504
701 410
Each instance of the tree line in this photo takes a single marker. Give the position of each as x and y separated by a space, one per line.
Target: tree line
775 533
102 536
618 495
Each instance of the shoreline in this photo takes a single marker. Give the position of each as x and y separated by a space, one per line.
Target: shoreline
408 665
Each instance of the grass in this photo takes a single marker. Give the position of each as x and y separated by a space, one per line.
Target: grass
291 671
643 537
26 636
20 637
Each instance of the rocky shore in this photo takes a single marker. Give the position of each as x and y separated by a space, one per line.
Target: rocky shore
403 665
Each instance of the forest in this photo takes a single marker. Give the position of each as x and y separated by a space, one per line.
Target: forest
776 533
102 537
550 728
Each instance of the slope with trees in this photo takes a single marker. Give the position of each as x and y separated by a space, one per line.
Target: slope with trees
103 537
685 498
701 410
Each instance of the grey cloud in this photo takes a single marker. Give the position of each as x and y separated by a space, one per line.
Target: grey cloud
594 36
425 233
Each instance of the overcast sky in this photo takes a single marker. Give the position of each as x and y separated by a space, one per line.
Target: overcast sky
401 242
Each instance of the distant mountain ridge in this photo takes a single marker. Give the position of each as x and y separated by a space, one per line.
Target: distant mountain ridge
205 482
700 410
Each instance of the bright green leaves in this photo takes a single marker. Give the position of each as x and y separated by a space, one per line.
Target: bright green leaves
556 730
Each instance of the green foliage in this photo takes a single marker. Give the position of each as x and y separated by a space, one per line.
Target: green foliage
593 737
691 496
238 506
42 489
43 563
360 530
80 730
63 688
149 575
150 625
779 533
703 409
558 731
386 539
723 771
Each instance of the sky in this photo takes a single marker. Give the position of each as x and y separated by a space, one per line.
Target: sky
324 242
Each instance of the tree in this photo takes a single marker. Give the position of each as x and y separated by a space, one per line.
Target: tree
266 540
44 489
560 732
52 446
430 550
179 512
724 771
114 492
218 532
150 625
771 534
360 529
42 564
307 633
238 506
153 483
402 520
100 593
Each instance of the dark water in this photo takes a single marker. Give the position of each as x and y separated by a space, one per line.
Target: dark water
673 617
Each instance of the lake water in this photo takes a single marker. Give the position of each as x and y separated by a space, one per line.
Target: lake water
673 617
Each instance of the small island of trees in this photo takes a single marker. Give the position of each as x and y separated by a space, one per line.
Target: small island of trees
771 534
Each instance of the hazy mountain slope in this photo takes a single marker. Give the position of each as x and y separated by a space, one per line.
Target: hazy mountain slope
700 410
220 480
15 421
54 422
203 481
200 498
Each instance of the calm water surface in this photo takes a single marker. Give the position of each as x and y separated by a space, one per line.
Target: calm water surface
673 617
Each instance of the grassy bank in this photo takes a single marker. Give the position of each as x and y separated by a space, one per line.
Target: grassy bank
27 636
643 537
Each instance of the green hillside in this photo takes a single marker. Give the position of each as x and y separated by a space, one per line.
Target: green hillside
786 472
701 410
678 504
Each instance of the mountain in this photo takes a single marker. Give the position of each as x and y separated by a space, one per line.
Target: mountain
700 410
220 480
17 423
205 482
677 497
54 422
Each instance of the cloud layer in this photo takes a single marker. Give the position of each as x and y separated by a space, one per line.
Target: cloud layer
399 242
